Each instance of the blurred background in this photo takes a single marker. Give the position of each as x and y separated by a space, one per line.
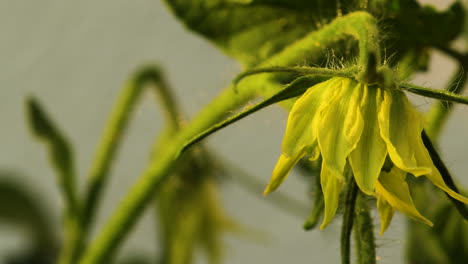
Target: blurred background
76 55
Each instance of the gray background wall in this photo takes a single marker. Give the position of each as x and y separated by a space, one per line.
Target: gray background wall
75 56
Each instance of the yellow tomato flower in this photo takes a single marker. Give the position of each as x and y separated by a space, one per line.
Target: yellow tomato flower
355 126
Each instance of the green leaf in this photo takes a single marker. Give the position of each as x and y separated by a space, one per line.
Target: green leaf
253 30
60 153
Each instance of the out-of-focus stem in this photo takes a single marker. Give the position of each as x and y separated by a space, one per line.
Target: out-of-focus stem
360 25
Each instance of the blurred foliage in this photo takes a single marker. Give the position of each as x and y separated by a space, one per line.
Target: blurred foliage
251 31
447 240
60 152
189 211
20 207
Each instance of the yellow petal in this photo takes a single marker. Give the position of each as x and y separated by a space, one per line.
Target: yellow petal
393 188
399 124
340 126
281 171
385 212
369 155
404 143
300 129
331 188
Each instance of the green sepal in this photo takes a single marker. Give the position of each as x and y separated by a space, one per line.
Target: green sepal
296 88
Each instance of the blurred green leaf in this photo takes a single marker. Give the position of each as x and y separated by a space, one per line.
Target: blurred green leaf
426 25
411 29
447 241
189 213
60 152
18 206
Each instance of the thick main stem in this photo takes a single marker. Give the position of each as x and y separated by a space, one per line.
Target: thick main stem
141 193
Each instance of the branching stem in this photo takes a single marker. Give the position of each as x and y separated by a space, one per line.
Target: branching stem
360 25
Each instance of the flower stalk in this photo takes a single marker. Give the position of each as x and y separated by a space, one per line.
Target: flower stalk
348 220
364 232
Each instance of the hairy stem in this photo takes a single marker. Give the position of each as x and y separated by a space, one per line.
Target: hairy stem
300 71
364 233
438 114
359 25
348 219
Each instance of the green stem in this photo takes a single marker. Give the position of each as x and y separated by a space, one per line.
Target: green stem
447 98
364 233
100 169
109 145
360 25
73 243
142 192
348 218
437 115
169 105
300 71
116 127
446 176
61 157
59 150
